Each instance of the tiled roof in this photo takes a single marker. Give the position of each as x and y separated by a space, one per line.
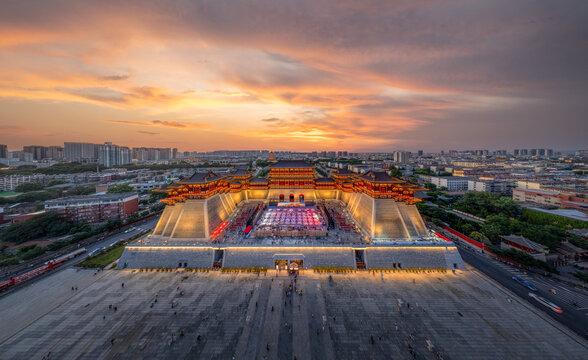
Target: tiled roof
324 180
295 164
523 241
200 178
380 176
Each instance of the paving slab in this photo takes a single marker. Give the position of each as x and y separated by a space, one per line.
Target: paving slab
214 315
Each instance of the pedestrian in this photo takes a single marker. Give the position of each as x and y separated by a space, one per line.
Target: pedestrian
267 347
372 339
103 317
112 341
122 285
110 307
115 308
272 308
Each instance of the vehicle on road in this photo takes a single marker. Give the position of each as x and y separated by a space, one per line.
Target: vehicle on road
544 301
524 283
94 252
48 266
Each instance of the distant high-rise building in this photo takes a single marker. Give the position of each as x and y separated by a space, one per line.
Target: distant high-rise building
153 154
44 152
81 152
3 151
401 157
54 152
420 152
174 153
112 155
548 152
38 152
516 152
524 152
533 152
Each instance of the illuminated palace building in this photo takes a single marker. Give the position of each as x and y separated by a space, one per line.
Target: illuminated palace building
291 219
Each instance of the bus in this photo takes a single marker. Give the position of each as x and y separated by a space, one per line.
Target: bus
524 283
545 302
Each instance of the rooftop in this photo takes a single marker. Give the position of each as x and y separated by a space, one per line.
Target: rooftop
200 178
103 197
291 164
523 241
258 180
380 176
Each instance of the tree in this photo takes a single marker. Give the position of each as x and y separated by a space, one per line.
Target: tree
46 224
476 235
395 172
120 188
484 204
262 163
430 186
422 171
29 186
37 196
56 182
82 190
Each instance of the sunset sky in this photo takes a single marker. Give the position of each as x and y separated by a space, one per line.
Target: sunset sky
295 75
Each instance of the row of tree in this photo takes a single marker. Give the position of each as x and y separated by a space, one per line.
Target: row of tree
483 204
76 167
496 225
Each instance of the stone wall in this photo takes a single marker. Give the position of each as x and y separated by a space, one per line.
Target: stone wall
154 257
414 257
244 257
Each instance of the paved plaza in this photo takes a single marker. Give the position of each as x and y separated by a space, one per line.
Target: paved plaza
220 315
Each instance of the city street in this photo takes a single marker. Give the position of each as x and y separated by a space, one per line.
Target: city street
574 317
125 233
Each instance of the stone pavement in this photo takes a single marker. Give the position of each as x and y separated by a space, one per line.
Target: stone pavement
215 315
27 304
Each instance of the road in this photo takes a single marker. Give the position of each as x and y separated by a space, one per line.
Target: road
129 232
573 316
126 233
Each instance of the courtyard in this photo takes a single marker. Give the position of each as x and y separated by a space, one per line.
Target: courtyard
214 315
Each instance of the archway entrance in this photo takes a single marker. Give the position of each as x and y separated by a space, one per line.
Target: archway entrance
301 198
281 264
291 197
281 197
294 262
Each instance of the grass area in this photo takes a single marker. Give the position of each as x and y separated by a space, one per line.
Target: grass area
9 193
104 258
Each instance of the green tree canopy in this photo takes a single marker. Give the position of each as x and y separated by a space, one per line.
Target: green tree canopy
484 204
29 186
120 188
395 172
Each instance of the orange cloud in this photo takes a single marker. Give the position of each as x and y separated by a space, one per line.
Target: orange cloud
164 123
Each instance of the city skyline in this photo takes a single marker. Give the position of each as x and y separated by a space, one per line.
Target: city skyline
305 77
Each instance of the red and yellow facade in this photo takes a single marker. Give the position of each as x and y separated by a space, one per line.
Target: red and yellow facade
293 175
